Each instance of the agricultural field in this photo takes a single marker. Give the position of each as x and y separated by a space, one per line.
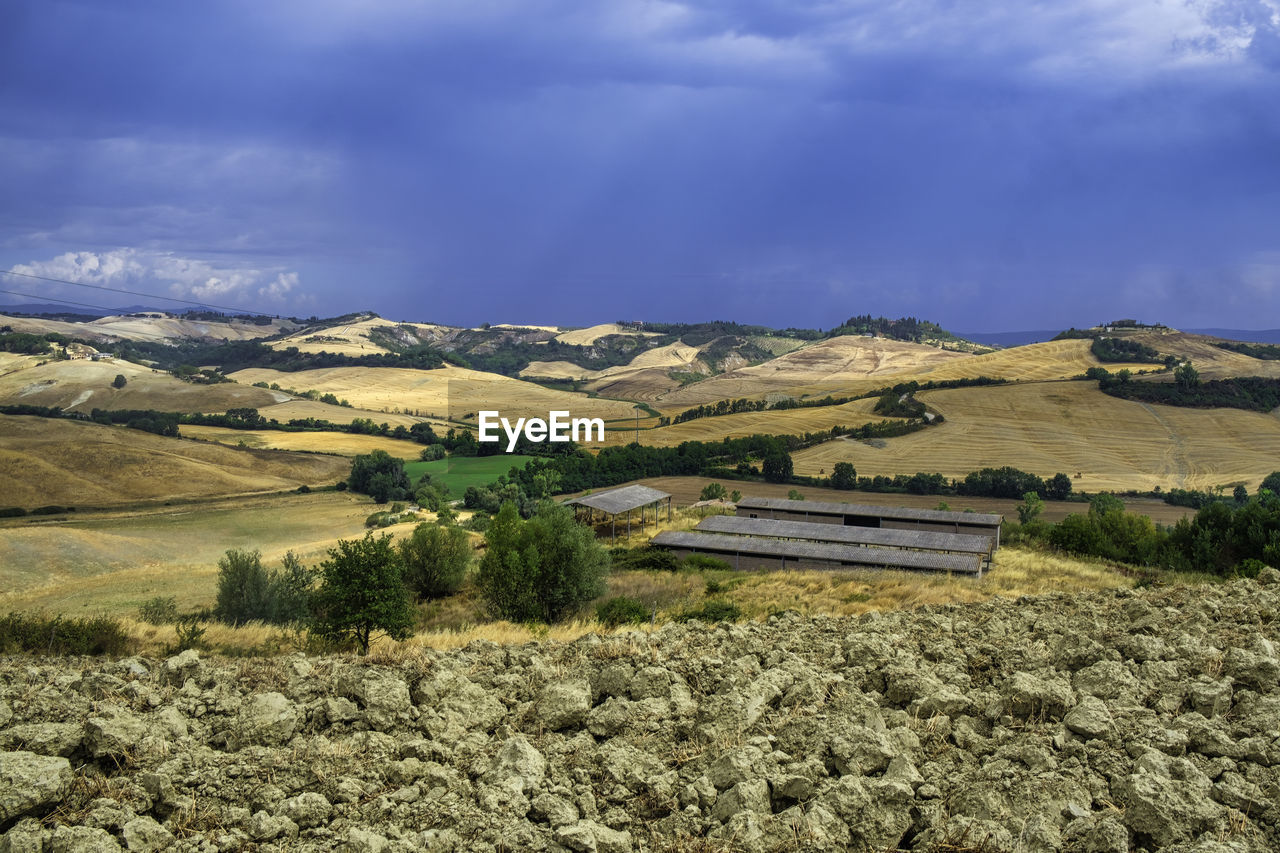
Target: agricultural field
591 334
784 422
148 328
83 385
460 472
352 338
449 393
47 461
111 562
1073 428
337 443
296 407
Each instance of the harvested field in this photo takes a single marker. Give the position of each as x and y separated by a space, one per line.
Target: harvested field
1073 428
825 367
353 338
1043 723
302 408
685 490
339 443
112 562
52 461
83 385
439 392
784 422
591 334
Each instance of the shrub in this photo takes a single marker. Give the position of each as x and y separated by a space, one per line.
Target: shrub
39 633
119 381
704 563
644 559
1249 567
381 476
247 591
713 492
12 512
435 560
622 610
541 569
715 610
161 610
52 509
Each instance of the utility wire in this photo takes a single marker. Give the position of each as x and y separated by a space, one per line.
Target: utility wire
122 290
131 335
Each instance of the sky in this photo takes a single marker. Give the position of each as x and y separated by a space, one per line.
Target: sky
792 163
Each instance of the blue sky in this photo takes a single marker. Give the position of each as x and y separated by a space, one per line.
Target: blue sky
988 166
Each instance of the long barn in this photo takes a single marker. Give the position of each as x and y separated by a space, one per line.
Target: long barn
881 517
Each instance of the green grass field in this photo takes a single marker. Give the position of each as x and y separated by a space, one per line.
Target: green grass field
460 472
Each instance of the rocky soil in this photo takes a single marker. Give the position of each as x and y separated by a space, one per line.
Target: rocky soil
1137 719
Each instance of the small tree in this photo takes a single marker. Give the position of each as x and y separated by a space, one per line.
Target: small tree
362 591
844 476
1186 376
776 466
435 560
712 492
541 569
379 475
795 495
119 381
244 587
735 496
1030 508
1271 483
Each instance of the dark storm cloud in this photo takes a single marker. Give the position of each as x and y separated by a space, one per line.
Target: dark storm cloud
564 162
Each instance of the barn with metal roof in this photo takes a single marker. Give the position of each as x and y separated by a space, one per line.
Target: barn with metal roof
872 516
753 552
615 502
919 540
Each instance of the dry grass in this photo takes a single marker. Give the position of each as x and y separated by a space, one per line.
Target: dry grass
353 338
302 408
83 385
340 443
785 422
588 336
48 461
1070 427
146 328
448 393
113 562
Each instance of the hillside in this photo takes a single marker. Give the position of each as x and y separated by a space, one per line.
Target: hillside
82 385
1070 427
151 326
47 461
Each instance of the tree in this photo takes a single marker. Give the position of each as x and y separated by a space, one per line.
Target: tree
1186 376
119 381
776 466
243 587
1271 483
541 569
1030 508
735 496
431 452
1241 494
362 591
381 476
1058 488
844 476
713 492
795 495
435 560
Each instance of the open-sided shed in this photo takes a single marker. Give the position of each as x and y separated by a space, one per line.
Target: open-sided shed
874 516
615 502
915 540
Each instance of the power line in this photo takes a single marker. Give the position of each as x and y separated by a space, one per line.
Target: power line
122 290
132 334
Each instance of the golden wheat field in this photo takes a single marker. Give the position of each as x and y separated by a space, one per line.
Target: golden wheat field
439 393
1073 428
352 338
47 461
113 561
672 356
591 334
83 385
339 443
785 422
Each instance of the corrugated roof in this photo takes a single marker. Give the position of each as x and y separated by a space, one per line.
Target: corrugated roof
902 512
850 554
615 501
926 540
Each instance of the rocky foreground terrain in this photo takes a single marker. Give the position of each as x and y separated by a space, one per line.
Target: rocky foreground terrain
1137 719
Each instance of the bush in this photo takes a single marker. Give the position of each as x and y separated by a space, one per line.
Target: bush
644 559
119 381
622 611
12 512
52 509
715 610
713 492
542 569
161 610
704 563
248 592
1249 567
435 560
381 476
38 633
